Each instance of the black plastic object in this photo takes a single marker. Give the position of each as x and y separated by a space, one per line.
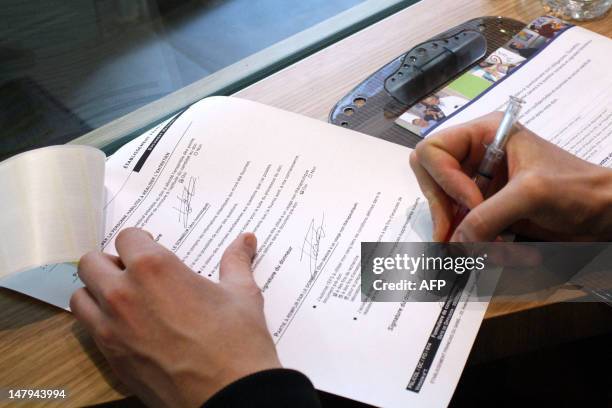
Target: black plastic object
369 108
432 63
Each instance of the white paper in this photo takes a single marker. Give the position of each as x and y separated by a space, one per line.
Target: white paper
311 192
51 207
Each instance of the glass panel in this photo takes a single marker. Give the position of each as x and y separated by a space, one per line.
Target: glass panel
70 67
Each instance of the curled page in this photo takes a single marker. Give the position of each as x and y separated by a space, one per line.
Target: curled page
51 206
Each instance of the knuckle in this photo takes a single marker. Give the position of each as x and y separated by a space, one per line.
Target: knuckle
414 158
421 148
474 226
74 300
235 255
233 258
243 257
88 260
118 299
104 336
149 262
445 182
125 233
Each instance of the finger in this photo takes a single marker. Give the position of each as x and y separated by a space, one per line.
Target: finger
86 310
490 218
440 205
135 243
99 271
235 268
461 141
115 260
447 155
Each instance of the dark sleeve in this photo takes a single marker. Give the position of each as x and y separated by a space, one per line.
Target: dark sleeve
270 388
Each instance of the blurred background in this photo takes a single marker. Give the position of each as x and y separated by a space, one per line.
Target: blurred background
67 67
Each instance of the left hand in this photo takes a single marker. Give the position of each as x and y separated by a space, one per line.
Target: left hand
173 337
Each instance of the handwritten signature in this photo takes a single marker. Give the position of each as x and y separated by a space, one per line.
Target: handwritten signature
184 208
312 243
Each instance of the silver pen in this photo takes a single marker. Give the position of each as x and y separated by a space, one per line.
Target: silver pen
492 158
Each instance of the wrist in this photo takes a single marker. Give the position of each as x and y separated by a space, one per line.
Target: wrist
200 388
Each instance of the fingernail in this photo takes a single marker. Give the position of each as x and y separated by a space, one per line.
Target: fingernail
250 241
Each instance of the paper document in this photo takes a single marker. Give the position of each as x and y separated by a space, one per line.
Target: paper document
566 88
311 192
51 207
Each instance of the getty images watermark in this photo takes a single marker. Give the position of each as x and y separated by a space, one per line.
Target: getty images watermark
410 265
513 271
416 271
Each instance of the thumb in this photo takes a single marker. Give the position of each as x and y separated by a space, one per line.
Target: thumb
235 268
489 219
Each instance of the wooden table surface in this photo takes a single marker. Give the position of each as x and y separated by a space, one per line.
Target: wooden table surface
43 347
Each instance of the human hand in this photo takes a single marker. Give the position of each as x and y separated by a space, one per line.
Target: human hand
543 191
173 337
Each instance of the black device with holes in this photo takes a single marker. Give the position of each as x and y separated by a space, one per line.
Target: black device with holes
373 106
432 63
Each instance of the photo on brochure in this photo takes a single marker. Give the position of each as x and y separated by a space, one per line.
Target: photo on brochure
434 109
497 65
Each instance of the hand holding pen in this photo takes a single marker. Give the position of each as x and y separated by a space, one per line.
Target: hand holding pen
539 190
493 158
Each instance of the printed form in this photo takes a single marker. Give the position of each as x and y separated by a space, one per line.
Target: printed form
311 192
566 89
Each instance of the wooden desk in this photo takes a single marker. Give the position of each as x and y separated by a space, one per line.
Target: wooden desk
41 346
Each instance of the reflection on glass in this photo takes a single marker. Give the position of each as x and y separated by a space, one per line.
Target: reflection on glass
69 67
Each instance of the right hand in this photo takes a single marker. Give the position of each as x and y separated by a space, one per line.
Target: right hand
543 192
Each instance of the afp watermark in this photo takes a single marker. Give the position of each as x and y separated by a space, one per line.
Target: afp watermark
513 271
